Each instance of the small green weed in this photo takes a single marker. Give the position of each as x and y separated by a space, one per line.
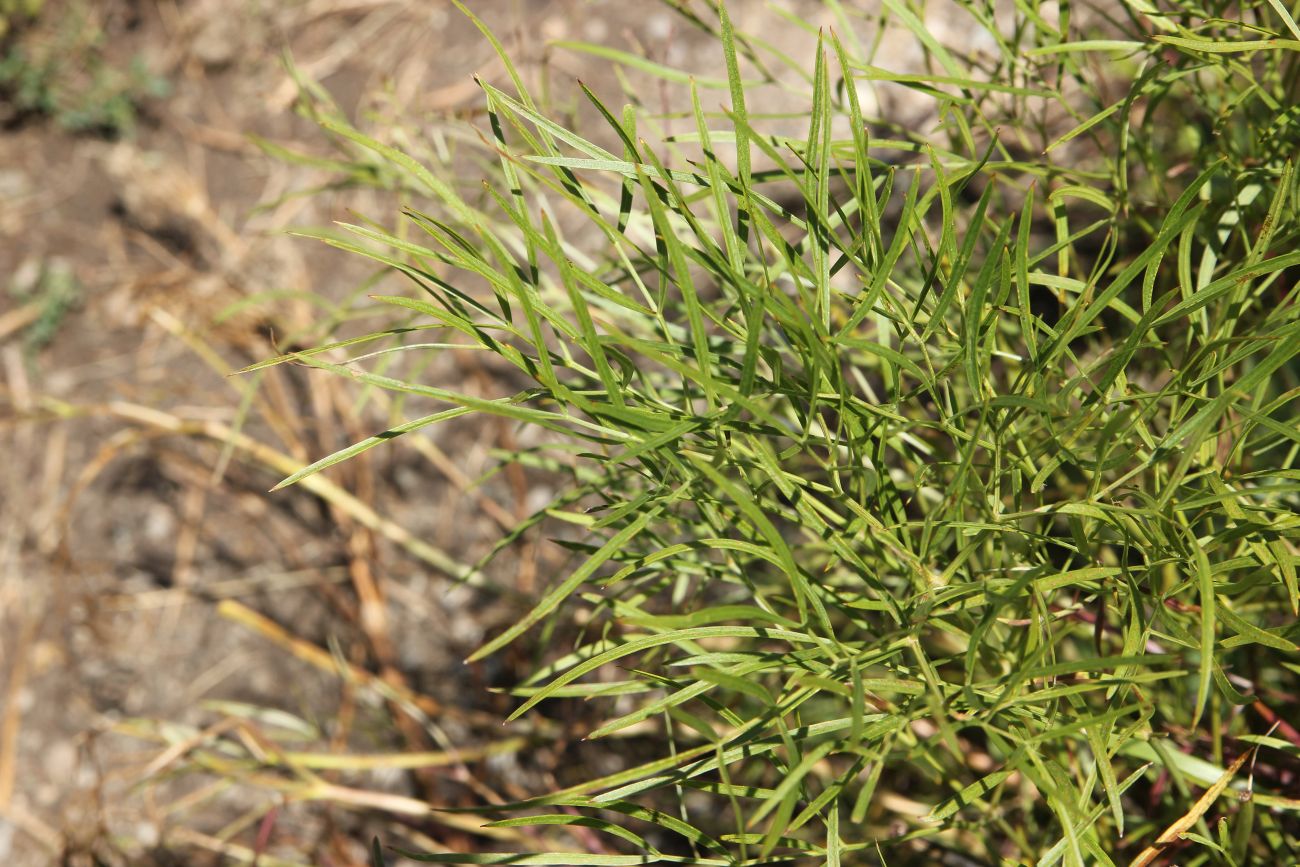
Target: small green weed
54 290
60 71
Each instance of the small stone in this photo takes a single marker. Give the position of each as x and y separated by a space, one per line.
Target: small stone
147 834
60 761
26 277
160 523
216 44
554 28
659 26
14 185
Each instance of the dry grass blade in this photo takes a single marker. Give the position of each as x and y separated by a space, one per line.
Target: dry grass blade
325 661
281 463
1192 816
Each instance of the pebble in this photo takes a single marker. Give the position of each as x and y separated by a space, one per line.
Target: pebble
14 185
60 760
216 44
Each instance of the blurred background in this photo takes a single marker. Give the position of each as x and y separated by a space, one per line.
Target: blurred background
155 600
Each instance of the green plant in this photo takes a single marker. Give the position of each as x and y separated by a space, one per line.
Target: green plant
939 490
61 71
51 289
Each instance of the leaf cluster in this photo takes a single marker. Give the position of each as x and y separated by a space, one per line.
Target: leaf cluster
938 489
